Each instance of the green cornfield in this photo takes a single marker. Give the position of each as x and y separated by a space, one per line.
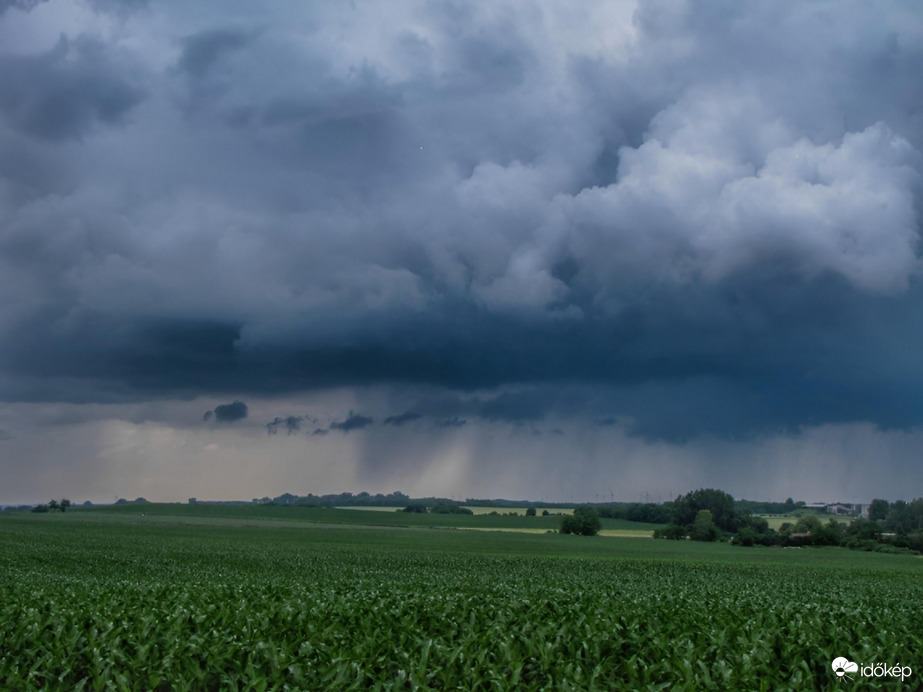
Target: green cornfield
95 601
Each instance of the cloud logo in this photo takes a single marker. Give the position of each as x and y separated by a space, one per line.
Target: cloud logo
841 666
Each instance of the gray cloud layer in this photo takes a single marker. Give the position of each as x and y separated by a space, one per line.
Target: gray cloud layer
697 217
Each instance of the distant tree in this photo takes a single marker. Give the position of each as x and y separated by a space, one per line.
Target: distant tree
718 502
647 512
530 512
830 533
583 522
53 505
863 530
900 518
673 532
757 524
415 508
703 527
41 509
808 524
65 503
446 507
545 512
746 536
878 509
916 513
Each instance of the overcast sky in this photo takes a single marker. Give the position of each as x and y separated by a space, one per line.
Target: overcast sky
562 251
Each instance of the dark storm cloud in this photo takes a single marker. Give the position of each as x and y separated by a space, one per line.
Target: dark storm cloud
354 421
402 418
230 413
702 218
66 91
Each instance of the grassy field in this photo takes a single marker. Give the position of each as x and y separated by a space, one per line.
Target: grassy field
249 514
206 597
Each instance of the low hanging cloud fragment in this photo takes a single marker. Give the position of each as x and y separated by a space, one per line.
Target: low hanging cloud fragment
291 425
402 418
451 423
227 413
355 421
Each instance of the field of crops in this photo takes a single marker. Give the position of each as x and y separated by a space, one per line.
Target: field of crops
111 600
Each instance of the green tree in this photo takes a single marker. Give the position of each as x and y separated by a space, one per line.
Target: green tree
900 518
583 522
916 512
830 533
751 521
447 507
415 508
718 502
530 512
753 529
703 527
53 505
878 509
673 532
862 530
808 524
746 536
65 503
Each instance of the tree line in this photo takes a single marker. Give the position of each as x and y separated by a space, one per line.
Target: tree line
709 515
53 506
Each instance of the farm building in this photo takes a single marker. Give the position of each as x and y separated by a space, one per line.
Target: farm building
848 509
